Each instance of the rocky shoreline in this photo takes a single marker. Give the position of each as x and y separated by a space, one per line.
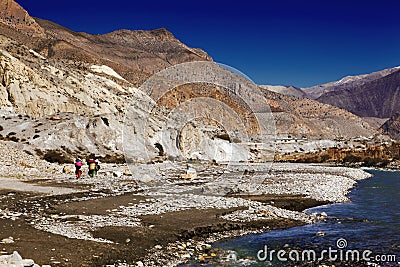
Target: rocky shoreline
147 215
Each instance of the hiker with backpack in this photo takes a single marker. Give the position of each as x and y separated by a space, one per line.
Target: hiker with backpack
78 165
92 167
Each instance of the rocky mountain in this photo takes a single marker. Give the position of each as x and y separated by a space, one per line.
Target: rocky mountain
378 98
13 15
134 54
348 82
392 126
299 117
375 96
67 93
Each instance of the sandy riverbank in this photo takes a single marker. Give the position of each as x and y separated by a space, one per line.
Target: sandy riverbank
117 217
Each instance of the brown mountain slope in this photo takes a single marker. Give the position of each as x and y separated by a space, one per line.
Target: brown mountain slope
379 98
133 54
12 14
315 120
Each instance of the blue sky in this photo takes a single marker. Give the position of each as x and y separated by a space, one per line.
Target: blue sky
300 43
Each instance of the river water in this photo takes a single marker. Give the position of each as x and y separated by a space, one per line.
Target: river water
363 232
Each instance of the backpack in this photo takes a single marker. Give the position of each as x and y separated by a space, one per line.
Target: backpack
92 166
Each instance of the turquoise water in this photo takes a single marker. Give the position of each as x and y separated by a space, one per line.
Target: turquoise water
371 221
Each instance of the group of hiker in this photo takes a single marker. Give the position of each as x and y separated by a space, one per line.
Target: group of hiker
93 167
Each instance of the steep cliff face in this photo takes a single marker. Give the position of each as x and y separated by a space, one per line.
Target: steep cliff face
12 14
379 98
34 87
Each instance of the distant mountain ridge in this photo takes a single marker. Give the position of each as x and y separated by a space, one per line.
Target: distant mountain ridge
378 98
347 82
375 97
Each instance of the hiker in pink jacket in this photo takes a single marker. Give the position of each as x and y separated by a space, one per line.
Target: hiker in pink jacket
78 165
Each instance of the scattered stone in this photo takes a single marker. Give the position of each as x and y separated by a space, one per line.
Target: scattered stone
173 195
264 213
127 172
145 178
320 234
117 174
9 240
16 260
232 256
15 257
55 118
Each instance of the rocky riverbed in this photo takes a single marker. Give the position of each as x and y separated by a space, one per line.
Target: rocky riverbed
147 215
